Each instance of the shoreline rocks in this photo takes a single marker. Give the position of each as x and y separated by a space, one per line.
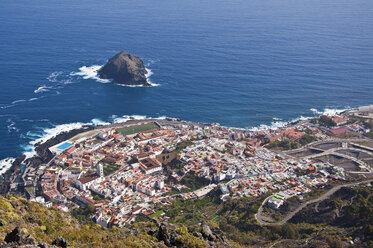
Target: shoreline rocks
43 155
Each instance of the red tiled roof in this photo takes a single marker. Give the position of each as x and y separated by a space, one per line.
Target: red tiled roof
339 130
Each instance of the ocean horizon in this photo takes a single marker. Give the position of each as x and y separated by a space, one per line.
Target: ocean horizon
241 64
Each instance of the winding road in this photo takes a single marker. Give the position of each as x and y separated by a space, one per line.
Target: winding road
260 218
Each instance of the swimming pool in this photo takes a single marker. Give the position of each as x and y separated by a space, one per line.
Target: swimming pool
64 146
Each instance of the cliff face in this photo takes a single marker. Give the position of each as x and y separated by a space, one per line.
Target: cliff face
126 69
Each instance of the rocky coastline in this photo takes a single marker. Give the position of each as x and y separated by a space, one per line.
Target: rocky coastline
12 181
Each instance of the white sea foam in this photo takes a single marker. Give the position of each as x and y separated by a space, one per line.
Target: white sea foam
126 118
46 134
49 133
162 117
18 101
34 135
120 119
334 111
90 72
33 99
98 122
40 120
59 78
152 61
67 81
328 111
53 76
277 124
12 126
54 131
5 164
315 111
41 89
28 150
148 74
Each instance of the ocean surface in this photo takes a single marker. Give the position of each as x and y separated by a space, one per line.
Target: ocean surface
240 63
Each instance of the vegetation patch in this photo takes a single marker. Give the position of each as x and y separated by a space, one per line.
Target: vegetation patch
194 182
137 128
109 168
157 214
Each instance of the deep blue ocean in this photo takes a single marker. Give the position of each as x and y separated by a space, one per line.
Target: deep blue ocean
240 63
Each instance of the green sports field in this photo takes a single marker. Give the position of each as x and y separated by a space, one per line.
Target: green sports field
137 129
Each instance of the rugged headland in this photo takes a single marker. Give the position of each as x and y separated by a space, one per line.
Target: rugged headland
125 69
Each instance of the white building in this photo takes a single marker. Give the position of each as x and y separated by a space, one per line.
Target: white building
87 181
150 165
100 169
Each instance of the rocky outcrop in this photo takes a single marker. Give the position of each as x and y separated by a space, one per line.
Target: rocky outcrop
11 175
61 242
126 69
167 234
171 238
13 236
18 238
207 233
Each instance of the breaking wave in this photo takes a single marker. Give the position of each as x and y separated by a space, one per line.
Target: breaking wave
278 123
5 164
11 126
43 134
126 118
53 77
18 101
99 122
42 89
57 80
91 72
328 111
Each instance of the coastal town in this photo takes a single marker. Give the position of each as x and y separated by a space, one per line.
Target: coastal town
125 170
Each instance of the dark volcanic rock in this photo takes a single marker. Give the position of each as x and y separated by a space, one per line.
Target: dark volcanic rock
164 235
11 174
17 238
125 68
13 236
207 233
61 242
